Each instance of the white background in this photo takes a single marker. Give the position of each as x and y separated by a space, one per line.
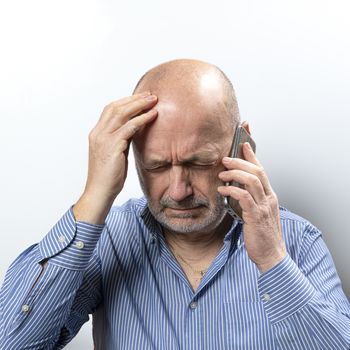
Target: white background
62 61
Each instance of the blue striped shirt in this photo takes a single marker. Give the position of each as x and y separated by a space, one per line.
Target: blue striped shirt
124 274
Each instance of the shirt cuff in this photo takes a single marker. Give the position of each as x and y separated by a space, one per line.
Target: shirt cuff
70 243
284 290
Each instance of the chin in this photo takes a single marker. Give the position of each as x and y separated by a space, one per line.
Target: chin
189 224
201 219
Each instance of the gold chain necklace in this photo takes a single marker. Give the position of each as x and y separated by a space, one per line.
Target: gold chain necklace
202 272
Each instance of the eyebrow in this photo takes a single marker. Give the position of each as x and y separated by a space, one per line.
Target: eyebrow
203 157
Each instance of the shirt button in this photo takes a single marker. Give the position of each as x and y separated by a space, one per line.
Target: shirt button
193 305
61 238
25 308
266 297
80 245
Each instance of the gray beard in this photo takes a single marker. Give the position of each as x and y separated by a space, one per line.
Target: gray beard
211 221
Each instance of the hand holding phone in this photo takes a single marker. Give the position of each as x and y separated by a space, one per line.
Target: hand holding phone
241 136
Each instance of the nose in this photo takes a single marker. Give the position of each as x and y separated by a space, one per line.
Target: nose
179 183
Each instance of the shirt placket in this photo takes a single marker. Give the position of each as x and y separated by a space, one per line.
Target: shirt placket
193 323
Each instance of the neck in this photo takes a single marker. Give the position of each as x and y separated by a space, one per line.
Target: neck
195 246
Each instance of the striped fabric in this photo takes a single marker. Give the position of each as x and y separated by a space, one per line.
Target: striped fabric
124 274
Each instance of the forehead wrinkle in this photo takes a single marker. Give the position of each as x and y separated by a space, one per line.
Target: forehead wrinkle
206 125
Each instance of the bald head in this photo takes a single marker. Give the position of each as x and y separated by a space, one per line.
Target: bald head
193 80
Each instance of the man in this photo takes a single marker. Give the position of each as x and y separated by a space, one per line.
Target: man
173 270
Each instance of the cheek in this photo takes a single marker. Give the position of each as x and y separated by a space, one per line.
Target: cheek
155 183
206 182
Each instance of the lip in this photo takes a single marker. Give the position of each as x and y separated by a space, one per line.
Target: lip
183 210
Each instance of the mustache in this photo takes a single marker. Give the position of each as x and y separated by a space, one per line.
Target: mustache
187 203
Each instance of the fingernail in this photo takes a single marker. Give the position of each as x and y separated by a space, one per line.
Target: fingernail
151 98
226 159
145 94
248 145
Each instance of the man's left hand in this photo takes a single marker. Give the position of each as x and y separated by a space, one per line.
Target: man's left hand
260 210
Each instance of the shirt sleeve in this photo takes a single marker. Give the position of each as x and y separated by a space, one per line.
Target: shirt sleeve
304 300
44 308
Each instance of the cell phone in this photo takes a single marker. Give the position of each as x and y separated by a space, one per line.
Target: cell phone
240 137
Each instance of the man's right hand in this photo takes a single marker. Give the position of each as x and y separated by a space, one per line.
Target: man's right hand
109 143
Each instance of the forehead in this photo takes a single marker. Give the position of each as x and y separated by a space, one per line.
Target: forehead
181 147
184 130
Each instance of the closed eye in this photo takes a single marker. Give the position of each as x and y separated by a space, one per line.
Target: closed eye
158 167
190 165
198 165
202 166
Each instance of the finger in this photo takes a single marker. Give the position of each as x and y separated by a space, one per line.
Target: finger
238 163
121 109
251 182
249 154
128 99
249 167
108 109
128 111
244 198
130 128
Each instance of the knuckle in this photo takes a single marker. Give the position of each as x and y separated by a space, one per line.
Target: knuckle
246 195
132 128
112 108
256 181
92 134
260 171
126 131
108 109
99 139
119 110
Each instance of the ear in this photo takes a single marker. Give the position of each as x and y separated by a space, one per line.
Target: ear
245 125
